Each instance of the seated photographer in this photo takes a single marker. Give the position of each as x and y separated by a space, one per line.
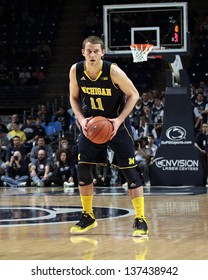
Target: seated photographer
16 171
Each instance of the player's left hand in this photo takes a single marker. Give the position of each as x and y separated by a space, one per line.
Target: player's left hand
116 124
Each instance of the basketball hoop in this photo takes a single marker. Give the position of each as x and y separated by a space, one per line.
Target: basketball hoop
140 51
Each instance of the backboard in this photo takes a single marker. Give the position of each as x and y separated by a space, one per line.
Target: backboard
165 25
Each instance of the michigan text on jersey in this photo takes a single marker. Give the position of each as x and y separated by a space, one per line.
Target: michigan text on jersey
97 91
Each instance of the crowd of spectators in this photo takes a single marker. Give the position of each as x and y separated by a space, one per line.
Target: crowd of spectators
27 156
30 139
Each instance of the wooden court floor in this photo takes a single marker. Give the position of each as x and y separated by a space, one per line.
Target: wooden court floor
35 223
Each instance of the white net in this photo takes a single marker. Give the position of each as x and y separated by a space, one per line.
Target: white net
140 51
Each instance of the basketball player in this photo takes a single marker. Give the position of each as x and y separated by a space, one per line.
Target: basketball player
101 88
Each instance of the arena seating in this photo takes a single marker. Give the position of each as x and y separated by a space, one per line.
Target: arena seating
198 65
20 36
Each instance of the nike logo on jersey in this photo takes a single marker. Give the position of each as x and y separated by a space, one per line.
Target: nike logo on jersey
104 78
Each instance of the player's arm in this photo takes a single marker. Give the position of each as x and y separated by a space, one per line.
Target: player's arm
74 98
132 95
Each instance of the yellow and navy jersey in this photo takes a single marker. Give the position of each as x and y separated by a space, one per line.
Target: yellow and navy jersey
100 96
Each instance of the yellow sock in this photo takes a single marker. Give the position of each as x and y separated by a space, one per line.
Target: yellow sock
87 203
138 204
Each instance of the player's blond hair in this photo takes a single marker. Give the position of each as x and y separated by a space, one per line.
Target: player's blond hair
93 40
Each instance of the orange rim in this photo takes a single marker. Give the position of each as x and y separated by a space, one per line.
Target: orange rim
139 46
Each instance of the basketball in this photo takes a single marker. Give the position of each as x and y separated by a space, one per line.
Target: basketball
99 130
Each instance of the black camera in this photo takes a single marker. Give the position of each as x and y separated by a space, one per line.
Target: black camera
16 157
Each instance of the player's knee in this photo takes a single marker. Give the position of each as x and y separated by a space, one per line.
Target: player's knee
132 177
84 174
